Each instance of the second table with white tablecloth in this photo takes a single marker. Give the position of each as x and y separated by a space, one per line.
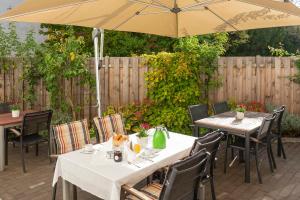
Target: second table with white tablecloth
102 177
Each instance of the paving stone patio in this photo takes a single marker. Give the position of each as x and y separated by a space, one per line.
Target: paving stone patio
283 184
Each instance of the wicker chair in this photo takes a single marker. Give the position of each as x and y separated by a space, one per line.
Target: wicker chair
61 141
197 112
211 143
182 181
260 142
109 125
221 107
30 134
276 131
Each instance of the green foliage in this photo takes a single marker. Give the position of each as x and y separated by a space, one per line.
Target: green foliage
133 114
279 52
116 43
182 78
64 58
9 42
290 122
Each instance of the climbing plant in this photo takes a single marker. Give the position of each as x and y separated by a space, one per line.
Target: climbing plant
182 78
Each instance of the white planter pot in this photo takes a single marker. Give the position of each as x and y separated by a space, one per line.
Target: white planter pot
240 115
15 113
143 141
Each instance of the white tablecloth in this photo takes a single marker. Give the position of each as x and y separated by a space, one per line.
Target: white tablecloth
103 178
247 124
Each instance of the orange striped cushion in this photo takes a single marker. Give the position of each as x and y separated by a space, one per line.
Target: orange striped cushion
108 125
71 136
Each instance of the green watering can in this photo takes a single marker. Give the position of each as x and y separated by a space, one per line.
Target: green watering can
159 137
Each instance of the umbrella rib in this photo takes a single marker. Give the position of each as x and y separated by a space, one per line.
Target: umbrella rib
129 18
196 4
49 9
151 4
224 20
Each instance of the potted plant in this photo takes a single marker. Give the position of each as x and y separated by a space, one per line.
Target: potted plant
143 135
240 111
15 110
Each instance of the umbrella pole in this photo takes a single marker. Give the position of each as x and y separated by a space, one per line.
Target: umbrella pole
97 67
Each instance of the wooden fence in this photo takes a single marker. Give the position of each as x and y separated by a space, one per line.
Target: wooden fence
263 79
122 82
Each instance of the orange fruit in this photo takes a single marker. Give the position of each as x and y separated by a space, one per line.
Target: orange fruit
137 148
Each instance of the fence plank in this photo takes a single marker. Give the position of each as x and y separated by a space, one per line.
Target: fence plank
125 80
122 82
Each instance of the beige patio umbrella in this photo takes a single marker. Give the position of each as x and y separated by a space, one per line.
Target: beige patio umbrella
172 18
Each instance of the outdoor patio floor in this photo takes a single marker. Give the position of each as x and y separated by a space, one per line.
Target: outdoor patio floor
283 184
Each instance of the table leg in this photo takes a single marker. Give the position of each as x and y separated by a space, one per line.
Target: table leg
2 149
67 190
201 192
247 159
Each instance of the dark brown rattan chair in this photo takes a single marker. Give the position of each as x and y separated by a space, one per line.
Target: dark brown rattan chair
259 143
33 125
221 107
197 112
181 183
211 143
276 131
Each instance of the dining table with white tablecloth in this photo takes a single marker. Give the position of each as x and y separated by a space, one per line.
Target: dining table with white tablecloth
98 175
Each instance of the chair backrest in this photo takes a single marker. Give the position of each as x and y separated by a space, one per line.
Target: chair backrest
36 122
198 112
109 125
278 119
210 142
265 128
4 108
70 136
182 180
221 107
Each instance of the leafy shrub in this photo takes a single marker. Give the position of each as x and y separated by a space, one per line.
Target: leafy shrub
134 115
253 106
290 122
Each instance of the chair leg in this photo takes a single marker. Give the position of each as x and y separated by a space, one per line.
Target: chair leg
272 156
225 157
212 188
22 158
37 149
270 159
6 146
54 191
27 149
281 148
257 166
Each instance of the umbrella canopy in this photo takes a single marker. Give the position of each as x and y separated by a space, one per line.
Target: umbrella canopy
173 18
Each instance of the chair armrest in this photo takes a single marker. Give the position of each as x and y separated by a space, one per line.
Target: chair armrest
16 132
255 140
135 192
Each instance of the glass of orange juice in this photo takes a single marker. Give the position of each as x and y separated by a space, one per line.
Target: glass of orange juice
137 148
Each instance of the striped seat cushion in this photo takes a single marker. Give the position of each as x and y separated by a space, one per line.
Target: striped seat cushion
108 125
71 136
152 191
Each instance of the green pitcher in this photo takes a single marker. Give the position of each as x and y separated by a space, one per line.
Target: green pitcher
159 137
